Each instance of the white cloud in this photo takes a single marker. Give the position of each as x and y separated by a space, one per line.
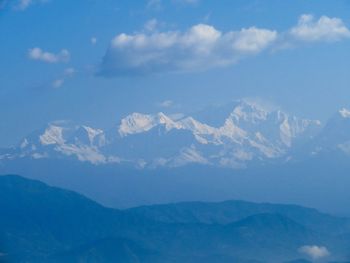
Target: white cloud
200 47
203 47
323 29
93 40
254 39
314 252
41 55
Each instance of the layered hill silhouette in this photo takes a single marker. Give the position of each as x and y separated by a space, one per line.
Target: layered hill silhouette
40 223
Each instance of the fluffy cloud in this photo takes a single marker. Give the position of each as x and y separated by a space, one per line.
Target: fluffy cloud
200 47
38 54
203 47
323 29
314 252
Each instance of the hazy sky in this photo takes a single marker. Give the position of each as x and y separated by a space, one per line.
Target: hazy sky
95 61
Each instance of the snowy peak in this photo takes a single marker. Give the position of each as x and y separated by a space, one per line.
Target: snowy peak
249 132
87 135
52 135
63 139
274 124
138 123
65 133
335 135
245 134
249 112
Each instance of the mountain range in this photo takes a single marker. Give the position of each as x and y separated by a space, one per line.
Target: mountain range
237 151
238 135
39 223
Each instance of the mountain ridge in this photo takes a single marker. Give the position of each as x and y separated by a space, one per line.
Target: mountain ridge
249 134
98 233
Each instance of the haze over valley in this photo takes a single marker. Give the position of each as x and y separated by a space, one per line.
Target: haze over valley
174 131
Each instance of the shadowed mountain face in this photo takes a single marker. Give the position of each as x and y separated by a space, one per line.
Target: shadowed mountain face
232 211
39 223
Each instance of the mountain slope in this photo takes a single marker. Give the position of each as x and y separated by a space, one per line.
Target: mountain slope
46 224
231 211
38 220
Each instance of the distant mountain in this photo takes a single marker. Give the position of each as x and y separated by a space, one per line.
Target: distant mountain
299 261
335 136
237 151
106 250
39 223
236 135
232 211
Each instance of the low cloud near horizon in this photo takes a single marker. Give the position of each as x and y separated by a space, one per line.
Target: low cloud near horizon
203 47
315 252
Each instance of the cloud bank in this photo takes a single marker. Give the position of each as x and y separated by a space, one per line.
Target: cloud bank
314 252
199 48
203 47
44 56
323 29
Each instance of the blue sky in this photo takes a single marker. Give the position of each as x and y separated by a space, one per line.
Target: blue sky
96 61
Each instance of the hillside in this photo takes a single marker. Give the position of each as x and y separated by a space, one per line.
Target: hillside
40 223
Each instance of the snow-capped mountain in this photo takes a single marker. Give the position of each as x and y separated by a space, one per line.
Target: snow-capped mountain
248 133
335 136
244 133
63 139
